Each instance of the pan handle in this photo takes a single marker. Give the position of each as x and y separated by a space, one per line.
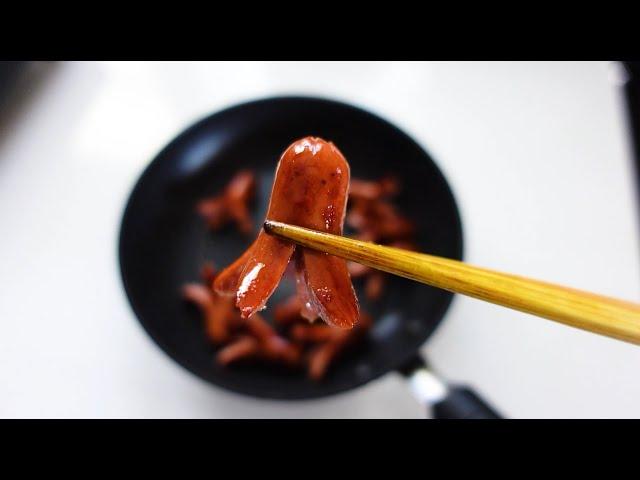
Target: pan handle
445 402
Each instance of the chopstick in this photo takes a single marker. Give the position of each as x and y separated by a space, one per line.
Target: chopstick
588 311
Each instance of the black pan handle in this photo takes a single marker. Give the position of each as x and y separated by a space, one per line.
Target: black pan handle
462 402
444 401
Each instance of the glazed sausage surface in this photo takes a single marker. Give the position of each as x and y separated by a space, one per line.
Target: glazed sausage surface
310 190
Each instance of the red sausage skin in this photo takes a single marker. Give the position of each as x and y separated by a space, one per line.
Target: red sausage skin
310 190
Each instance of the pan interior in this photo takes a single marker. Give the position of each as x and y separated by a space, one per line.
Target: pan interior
163 242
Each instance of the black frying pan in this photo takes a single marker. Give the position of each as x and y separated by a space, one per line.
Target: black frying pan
163 243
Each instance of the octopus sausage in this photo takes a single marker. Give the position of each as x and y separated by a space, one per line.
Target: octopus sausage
310 190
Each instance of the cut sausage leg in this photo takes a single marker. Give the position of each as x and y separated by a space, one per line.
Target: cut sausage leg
310 190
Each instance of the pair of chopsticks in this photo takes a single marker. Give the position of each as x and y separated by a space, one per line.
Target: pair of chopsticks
595 313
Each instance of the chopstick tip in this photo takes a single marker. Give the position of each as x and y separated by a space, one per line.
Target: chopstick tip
278 229
269 226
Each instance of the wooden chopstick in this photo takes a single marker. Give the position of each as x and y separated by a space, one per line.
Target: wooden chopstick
595 313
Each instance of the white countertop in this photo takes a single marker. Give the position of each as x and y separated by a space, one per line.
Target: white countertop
537 154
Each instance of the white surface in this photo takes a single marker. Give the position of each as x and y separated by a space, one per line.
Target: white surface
536 153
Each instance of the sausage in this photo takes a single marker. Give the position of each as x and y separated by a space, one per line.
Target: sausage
243 347
310 190
313 333
288 312
324 354
217 312
231 204
373 190
308 309
272 345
